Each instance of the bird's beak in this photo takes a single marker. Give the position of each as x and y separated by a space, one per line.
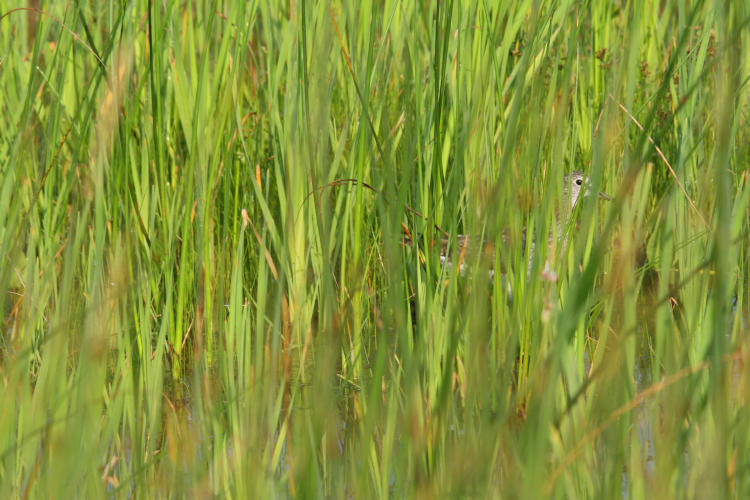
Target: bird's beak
604 196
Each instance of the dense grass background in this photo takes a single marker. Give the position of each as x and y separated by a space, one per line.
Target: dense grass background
181 317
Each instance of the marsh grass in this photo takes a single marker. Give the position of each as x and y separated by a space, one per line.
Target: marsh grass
186 313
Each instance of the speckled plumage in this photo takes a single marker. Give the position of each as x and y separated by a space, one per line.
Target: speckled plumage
466 247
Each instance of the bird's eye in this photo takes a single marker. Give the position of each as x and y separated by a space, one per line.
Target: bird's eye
579 182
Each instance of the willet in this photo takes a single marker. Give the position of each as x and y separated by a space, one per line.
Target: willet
576 186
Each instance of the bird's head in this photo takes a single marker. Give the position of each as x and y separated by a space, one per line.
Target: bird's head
576 184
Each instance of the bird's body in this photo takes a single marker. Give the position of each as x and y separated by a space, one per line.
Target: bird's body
467 248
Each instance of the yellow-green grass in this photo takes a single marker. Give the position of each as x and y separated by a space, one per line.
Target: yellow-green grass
191 309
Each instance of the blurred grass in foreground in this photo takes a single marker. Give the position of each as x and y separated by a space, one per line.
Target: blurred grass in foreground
181 317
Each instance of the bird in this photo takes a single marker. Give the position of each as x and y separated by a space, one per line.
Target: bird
576 186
